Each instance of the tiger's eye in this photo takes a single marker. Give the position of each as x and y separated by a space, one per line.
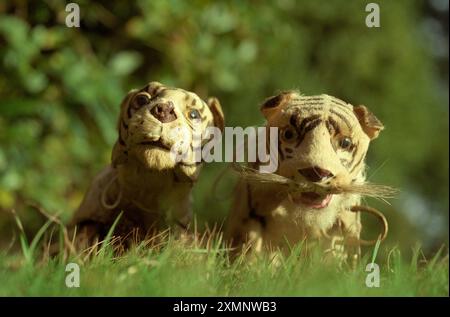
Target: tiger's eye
194 114
289 134
142 100
345 143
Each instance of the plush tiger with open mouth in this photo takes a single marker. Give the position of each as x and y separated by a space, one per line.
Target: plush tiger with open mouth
320 177
145 180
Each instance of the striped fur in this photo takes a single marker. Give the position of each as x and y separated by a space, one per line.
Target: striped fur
144 181
315 131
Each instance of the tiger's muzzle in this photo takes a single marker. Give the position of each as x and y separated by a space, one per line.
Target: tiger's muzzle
164 112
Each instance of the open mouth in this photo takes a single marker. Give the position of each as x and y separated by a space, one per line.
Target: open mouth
161 145
190 164
158 143
313 200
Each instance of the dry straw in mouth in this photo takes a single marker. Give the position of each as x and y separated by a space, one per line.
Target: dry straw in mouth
293 186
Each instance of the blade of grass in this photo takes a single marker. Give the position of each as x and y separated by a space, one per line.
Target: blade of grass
106 241
375 251
435 258
61 244
38 236
22 237
29 249
415 257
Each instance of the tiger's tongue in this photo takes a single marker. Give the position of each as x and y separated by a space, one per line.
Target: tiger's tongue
313 200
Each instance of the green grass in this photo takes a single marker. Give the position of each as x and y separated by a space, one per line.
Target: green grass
180 268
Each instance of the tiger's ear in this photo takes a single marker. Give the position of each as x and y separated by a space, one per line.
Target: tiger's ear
217 112
275 103
369 123
119 153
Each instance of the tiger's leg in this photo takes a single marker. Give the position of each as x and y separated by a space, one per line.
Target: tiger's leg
92 217
351 227
334 246
181 215
243 232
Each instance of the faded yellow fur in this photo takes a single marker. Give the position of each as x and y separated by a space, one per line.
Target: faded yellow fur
265 216
144 181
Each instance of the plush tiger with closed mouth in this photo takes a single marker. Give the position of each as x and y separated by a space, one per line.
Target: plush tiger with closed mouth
145 180
322 146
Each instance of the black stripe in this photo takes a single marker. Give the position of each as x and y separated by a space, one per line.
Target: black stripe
146 89
307 129
293 119
306 120
154 90
311 103
345 109
310 108
354 150
357 164
342 117
329 127
335 125
129 110
312 125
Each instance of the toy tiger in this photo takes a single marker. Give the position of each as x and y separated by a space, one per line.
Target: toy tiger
144 181
322 145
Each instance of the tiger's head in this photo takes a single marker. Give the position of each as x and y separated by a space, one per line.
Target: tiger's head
322 140
157 119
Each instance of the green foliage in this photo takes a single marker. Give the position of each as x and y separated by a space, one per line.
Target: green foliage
29 249
61 88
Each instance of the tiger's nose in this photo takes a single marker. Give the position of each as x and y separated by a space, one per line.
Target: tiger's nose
315 174
164 112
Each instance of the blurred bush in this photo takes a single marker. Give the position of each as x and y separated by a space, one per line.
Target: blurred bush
60 89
